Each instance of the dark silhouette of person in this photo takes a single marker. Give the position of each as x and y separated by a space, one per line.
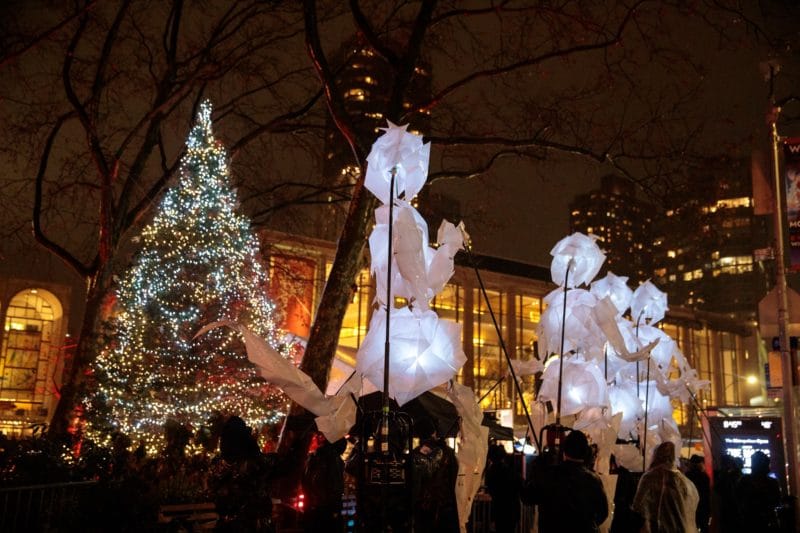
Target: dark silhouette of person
723 494
665 498
323 485
697 475
570 496
435 473
240 481
503 483
625 520
758 496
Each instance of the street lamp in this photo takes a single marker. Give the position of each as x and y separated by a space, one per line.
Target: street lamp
750 380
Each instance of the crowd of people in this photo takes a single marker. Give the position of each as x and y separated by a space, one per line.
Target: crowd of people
567 492
570 496
562 484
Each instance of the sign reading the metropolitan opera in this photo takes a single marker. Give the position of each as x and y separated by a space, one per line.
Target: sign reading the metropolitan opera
791 152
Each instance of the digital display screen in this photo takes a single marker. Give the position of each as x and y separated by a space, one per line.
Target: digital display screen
742 436
743 447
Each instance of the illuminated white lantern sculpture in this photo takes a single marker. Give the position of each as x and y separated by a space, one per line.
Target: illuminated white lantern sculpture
581 255
648 304
616 288
623 399
582 381
581 332
424 352
402 153
662 352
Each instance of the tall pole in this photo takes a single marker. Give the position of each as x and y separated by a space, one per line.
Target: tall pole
561 353
789 423
389 305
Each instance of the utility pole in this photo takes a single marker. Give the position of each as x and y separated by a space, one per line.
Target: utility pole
787 366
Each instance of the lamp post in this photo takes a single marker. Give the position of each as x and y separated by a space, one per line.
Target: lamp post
749 380
789 423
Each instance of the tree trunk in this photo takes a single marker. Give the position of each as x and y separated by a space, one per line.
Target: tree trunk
324 336
85 352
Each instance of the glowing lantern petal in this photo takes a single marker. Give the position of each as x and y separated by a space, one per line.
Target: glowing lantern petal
661 353
648 304
581 333
581 254
614 287
424 352
406 154
623 399
583 385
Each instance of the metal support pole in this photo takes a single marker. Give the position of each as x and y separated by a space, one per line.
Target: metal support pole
467 249
389 305
789 422
561 352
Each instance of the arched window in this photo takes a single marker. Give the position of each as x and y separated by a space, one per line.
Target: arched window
28 352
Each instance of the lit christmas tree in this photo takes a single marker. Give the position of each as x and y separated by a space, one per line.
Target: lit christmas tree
198 263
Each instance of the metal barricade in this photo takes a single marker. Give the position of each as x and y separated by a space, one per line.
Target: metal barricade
481 516
39 507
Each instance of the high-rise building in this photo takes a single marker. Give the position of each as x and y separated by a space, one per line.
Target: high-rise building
365 79
704 243
697 246
622 223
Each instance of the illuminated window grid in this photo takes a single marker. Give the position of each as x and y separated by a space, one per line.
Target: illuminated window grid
489 363
25 354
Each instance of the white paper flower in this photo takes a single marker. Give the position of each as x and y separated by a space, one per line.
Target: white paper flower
616 288
623 399
424 352
648 304
657 405
581 254
419 271
406 154
661 353
583 385
581 333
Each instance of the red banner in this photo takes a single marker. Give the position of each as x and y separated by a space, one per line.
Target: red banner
791 153
292 290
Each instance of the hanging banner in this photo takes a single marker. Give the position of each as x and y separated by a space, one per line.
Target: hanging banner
791 153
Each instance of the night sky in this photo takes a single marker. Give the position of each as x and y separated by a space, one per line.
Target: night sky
517 210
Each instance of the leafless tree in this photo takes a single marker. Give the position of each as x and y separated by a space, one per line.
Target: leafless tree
103 94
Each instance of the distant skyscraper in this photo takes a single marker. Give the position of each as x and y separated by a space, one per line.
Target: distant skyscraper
697 247
622 223
704 242
365 79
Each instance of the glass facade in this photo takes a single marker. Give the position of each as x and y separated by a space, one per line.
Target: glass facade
29 360
516 302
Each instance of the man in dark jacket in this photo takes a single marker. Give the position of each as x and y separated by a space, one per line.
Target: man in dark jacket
569 495
435 476
323 485
758 496
503 483
697 475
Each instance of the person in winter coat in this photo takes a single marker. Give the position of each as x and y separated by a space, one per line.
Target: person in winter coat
697 475
665 498
435 476
758 496
503 483
323 485
240 481
570 496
